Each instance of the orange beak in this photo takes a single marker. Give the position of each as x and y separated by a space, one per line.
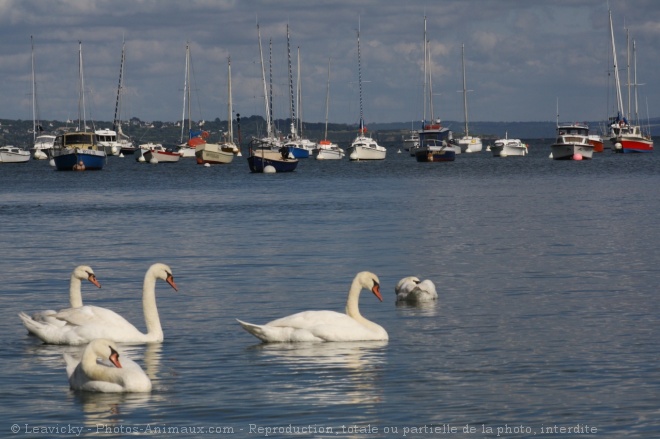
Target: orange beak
170 280
93 280
114 358
376 291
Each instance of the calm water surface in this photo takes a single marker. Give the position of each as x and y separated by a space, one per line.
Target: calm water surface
547 273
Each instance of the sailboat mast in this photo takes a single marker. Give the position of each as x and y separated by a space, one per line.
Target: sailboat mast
617 81
299 98
116 122
263 77
230 123
185 91
81 92
34 96
628 71
467 133
431 87
360 80
292 107
327 102
270 85
425 73
635 81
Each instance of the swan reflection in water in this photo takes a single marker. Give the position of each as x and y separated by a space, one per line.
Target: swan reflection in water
324 373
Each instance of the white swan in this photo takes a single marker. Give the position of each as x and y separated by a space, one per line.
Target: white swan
87 323
81 272
92 373
326 325
411 289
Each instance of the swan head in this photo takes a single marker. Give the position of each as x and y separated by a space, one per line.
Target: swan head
406 284
370 282
164 272
106 350
85 272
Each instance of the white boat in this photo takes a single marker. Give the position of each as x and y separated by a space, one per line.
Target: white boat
107 139
467 143
508 147
42 144
13 154
220 153
326 150
572 142
363 147
329 151
157 153
411 142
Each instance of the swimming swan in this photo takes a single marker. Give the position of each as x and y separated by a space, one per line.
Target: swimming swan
90 322
81 272
411 289
326 325
93 373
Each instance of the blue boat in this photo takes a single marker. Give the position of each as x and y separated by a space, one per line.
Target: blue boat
78 151
434 144
262 156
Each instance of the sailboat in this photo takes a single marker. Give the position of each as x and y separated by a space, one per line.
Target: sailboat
220 153
364 147
42 144
114 141
626 136
326 149
298 146
434 139
78 150
197 137
267 154
467 143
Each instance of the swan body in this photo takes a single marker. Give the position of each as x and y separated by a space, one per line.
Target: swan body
411 289
93 373
80 273
87 323
320 326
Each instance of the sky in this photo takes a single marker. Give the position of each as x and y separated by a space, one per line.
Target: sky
523 58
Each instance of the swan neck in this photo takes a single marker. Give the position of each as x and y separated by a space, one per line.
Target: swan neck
151 318
93 370
352 308
75 296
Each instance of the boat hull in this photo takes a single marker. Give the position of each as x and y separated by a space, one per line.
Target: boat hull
435 155
632 144
257 163
70 161
469 144
597 143
299 153
567 151
213 154
330 154
161 156
10 157
508 151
